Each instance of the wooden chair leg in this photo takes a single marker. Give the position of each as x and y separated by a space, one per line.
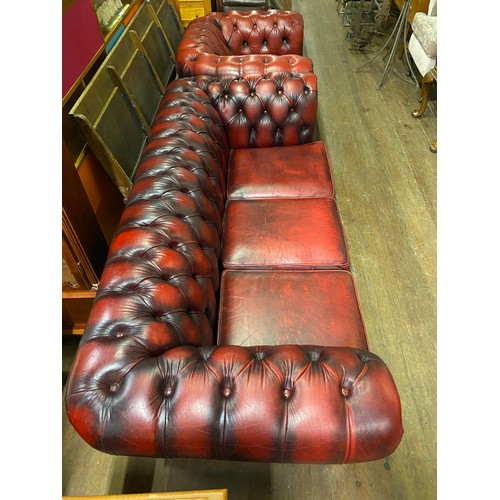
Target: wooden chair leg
426 85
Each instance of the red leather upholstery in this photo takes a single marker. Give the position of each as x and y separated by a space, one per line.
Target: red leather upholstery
285 403
294 307
286 172
298 233
241 43
264 111
149 379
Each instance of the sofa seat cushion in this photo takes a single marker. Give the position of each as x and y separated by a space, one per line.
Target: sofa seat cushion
290 307
283 172
283 233
260 34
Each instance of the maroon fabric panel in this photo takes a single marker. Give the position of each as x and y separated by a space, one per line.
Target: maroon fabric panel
290 307
292 233
284 172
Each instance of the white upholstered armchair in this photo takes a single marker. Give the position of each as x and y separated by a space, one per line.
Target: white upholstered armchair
423 50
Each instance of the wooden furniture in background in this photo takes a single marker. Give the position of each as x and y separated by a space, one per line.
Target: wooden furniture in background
116 109
84 249
176 495
91 203
223 5
415 6
98 157
427 81
191 9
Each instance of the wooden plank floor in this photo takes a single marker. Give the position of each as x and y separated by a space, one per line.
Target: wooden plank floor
385 178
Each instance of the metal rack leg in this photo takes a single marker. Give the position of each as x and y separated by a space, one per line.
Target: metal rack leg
396 34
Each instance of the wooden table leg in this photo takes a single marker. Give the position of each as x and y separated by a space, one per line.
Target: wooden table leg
426 85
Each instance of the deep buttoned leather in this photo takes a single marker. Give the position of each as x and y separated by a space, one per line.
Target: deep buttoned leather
264 111
149 379
241 43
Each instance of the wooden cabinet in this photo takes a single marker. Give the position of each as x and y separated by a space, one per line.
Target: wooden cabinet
191 9
91 203
415 6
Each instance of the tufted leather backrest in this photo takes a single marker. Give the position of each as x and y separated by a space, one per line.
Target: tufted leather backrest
267 110
242 43
162 275
262 32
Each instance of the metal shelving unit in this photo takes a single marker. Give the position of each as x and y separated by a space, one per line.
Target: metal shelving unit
363 19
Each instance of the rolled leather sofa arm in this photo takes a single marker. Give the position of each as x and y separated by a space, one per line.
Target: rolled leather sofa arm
288 403
264 110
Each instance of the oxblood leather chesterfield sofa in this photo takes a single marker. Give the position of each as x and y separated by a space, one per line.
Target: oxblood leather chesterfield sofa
243 42
227 324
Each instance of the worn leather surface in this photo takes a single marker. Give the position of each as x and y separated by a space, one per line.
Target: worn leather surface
293 307
279 233
265 110
149 379
226 5
242 43
286 172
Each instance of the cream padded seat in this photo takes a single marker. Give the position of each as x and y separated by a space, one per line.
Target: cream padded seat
423 41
